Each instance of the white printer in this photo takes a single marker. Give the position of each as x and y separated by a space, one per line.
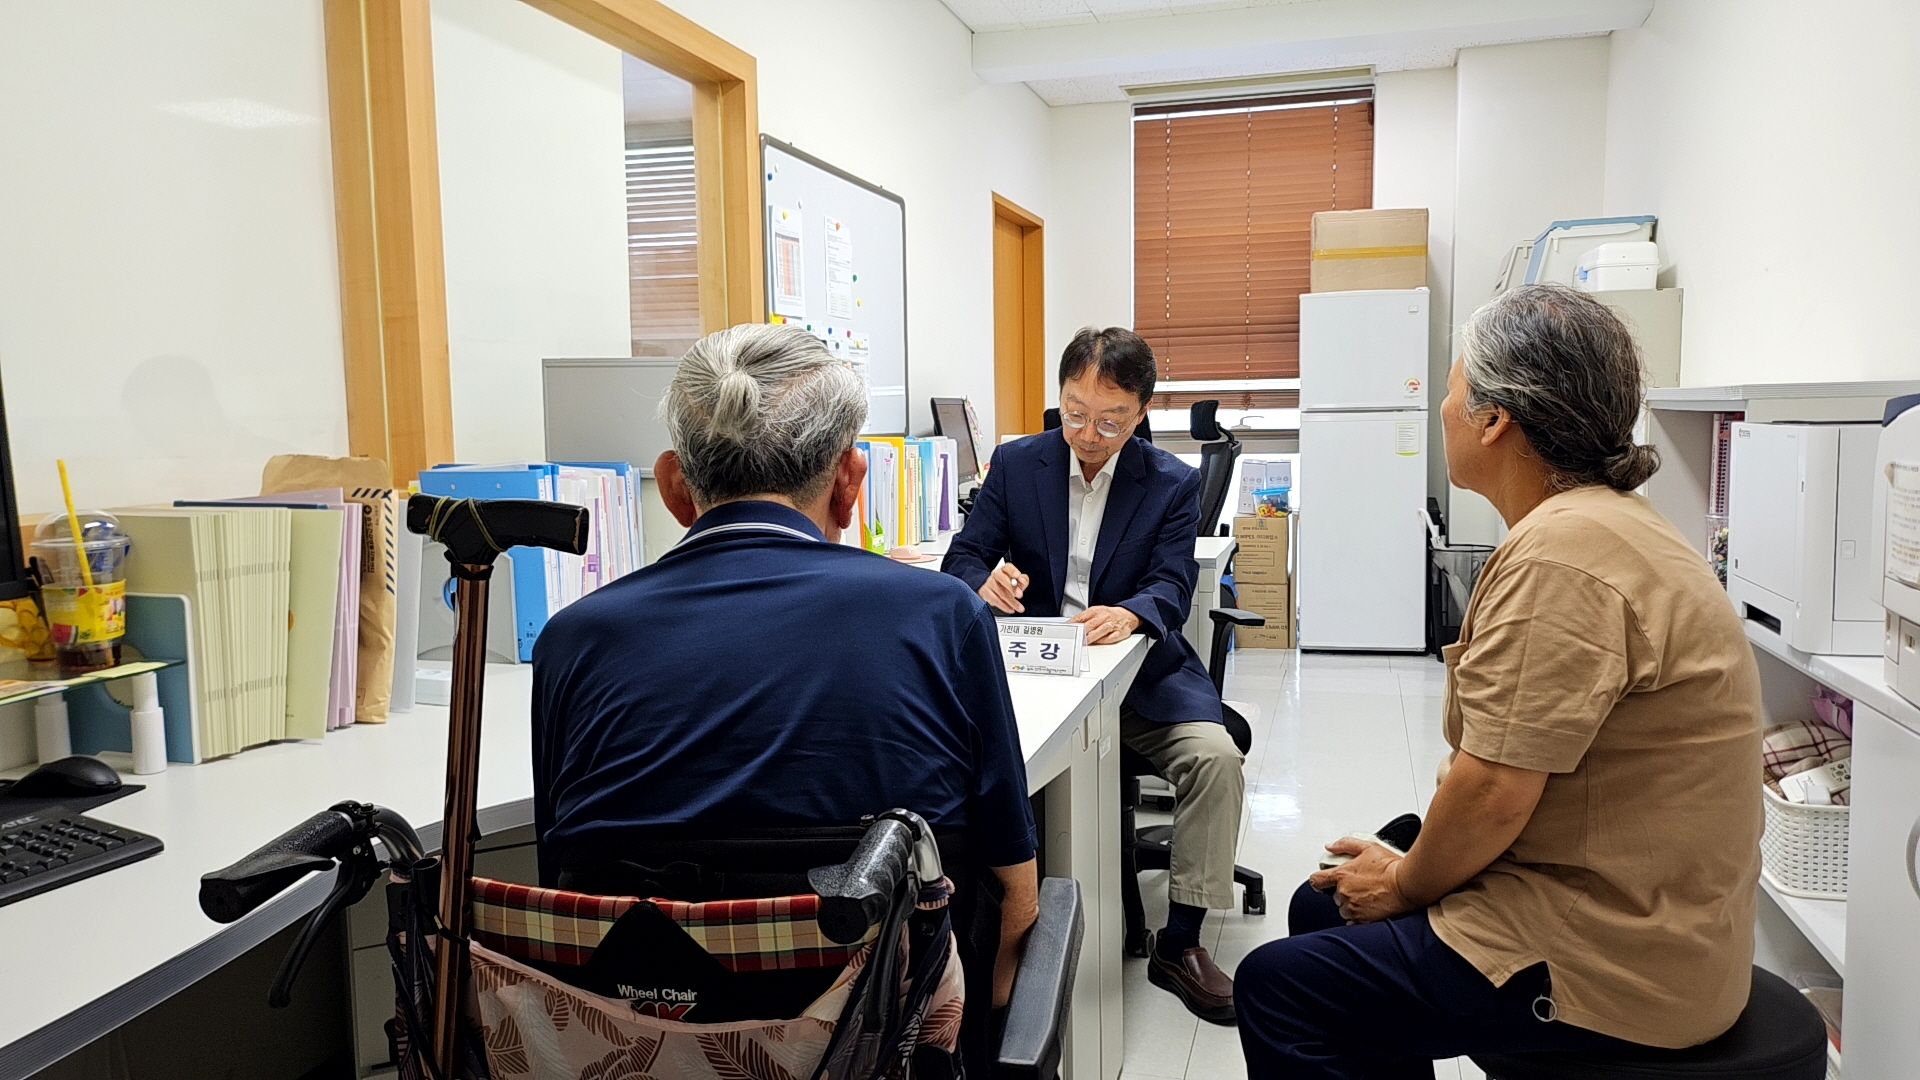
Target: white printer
1896 558
1800 534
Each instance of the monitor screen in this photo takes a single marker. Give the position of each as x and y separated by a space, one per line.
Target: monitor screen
953 418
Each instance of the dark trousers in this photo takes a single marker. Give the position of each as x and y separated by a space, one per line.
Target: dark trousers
1382 1001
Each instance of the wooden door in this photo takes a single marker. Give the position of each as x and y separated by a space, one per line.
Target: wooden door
1019 322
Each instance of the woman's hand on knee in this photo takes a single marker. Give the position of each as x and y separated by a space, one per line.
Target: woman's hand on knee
1366 887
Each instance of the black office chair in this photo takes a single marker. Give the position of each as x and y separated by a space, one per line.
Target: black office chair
1779 1036
700 864
1151 848
1218 452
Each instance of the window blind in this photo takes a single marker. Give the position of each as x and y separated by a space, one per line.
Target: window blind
1224 198
661 254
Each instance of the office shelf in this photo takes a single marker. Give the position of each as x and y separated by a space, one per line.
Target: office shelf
1823 922
1734 398
26 689
1862 678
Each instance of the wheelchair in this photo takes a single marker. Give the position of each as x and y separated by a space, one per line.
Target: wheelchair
859 978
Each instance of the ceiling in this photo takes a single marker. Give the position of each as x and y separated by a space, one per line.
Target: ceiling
985 15
652 96
1076 51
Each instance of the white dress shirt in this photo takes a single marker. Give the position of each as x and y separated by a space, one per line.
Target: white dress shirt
1086 505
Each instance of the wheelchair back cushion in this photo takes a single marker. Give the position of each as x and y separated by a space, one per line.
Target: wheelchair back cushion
533 949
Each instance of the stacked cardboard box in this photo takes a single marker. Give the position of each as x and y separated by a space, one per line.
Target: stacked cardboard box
1369 249
1260 581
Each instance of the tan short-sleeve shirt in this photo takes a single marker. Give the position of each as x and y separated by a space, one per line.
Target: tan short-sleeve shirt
1599 648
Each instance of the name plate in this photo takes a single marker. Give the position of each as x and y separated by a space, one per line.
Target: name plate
1043 646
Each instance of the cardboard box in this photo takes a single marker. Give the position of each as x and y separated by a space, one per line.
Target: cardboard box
1653 317
1260 554
1369 249
1276 603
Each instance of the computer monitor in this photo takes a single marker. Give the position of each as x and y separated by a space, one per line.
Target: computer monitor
953 417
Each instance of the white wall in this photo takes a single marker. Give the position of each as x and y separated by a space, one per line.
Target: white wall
1413 165
885 89
1531 122
169 295
1778 144
1090 235
532 135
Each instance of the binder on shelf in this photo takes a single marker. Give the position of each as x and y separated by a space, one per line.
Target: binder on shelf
535 577
927 491
233 565
545 581
881 527
946 454
318 523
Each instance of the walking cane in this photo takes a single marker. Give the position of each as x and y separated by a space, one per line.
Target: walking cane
475 532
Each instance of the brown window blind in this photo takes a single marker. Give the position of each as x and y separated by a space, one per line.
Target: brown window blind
661 255
1224 197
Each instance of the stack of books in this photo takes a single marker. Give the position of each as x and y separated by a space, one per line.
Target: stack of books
912 493
234 567
544 581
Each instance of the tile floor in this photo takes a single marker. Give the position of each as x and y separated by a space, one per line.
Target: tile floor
1341 743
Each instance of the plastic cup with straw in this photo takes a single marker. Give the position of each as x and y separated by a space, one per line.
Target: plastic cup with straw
81 584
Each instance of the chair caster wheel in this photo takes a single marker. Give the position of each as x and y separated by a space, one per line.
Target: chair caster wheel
1140 944
1254 903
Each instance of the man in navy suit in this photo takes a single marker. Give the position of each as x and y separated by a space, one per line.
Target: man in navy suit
1092 523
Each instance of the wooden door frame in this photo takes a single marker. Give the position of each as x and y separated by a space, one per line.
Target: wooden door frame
1033 316
386 178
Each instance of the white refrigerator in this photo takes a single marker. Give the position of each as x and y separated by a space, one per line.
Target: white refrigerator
1361 567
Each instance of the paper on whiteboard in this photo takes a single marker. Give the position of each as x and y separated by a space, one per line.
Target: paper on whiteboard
839 269
1903 522
789 264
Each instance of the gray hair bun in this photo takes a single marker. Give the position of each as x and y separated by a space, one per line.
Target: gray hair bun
1567 370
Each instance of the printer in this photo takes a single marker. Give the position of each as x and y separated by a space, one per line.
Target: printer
1896 558
1800 535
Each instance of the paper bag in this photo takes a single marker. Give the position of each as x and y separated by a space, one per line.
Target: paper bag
369 482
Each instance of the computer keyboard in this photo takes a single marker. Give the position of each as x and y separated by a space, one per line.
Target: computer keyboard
49 848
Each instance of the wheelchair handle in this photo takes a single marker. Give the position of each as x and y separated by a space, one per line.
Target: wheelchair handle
314 844
855 895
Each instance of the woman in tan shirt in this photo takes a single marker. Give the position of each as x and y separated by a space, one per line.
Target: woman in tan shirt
1584 880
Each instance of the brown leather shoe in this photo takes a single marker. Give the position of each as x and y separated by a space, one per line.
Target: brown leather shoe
1204 989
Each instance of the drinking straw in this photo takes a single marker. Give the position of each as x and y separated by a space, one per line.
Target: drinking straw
73 522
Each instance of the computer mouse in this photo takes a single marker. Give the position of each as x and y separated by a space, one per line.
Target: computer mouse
76 775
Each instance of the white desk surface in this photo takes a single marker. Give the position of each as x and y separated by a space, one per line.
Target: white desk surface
86 958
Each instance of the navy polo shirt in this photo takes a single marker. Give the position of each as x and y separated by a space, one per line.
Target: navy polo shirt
758 676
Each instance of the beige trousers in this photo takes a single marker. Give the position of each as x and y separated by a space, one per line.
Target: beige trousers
1199 759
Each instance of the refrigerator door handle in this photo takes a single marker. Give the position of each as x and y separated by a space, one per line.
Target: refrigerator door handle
1913 842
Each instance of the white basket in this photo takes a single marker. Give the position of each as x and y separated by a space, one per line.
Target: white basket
1803 851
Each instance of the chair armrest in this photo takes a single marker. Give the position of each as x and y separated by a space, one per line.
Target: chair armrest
1224 620
1030 1043
1221 616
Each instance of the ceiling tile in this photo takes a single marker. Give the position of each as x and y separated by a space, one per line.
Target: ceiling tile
981 16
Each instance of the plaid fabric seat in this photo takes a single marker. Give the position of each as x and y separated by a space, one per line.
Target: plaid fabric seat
558 926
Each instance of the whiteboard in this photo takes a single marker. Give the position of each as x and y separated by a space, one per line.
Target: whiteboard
837 265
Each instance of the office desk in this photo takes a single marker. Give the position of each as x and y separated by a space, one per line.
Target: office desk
86 958
1212 553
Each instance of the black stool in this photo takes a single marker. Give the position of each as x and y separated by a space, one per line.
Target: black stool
1779 1036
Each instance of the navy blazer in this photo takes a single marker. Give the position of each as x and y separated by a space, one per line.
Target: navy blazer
1143 560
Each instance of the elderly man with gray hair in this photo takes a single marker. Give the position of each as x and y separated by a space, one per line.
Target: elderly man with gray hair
760 675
